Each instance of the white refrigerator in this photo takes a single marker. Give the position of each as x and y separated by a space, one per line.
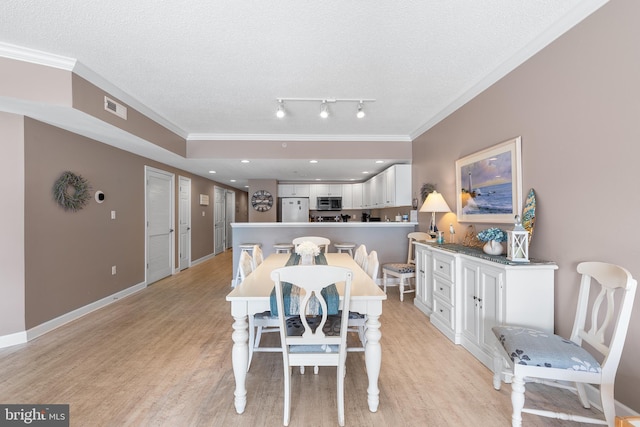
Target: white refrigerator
294 209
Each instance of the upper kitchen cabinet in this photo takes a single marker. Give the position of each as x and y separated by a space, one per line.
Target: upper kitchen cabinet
327 190
352 196
390 188
293 190
397 181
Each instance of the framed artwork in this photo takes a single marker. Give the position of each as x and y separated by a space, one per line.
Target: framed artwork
489 184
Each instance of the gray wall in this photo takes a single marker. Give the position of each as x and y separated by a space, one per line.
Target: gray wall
576 105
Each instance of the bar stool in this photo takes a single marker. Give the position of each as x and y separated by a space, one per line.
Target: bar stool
345 247
283 248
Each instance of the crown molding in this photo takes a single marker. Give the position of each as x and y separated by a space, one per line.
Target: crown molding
570 20
39 57
33 56
292 137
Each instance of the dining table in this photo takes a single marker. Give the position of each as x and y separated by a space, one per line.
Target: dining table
253 296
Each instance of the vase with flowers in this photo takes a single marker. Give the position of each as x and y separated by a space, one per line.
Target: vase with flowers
493 237
307 251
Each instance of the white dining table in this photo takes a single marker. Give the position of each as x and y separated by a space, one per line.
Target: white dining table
253 296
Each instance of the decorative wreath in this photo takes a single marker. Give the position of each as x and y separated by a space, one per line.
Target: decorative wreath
75 200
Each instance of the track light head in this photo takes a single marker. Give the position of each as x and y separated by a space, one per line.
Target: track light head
324 110
360 113
280 112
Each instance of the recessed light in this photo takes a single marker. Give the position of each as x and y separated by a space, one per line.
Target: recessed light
318 179
232 180
313 161
365 172
244 161
212 171
379 161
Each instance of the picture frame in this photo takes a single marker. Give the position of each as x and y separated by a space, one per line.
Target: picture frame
489 184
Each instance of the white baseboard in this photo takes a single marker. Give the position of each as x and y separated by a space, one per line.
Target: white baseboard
593 394
203 259
13 339
22 337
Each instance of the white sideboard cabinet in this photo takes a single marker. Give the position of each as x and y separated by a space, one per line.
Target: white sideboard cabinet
466 292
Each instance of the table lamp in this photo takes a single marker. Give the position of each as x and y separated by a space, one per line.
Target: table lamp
434 203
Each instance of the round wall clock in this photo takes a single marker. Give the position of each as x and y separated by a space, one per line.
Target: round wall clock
262 200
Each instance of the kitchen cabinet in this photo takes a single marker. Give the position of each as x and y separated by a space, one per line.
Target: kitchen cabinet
480 307
397 182
424 288
377 192
471 292
443 288
347 196
293 190
327 190
356 196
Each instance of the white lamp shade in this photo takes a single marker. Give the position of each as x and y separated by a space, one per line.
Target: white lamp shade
435 203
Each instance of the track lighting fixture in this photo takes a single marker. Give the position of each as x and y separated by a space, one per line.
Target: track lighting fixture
324 110
280 113
324 105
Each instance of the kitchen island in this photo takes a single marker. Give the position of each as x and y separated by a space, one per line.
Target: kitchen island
389 239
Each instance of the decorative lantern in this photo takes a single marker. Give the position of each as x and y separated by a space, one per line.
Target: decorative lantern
518 243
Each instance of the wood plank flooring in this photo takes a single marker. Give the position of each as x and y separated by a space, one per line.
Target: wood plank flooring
162 357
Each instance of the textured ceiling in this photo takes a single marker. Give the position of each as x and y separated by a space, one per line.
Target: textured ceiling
213 69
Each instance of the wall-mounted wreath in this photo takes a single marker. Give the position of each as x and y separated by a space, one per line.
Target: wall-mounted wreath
71 191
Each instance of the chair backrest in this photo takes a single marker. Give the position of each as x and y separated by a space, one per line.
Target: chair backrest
373 265
312 279
257 256
417 235
593 318
323 242
360 256
245 265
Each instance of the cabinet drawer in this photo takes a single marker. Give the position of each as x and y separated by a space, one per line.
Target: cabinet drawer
443 266
443 312
443 289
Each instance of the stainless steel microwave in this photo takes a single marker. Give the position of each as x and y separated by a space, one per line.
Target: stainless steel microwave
329 203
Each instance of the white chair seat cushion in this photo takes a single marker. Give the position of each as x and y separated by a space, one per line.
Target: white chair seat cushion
400 268
537 348
331 328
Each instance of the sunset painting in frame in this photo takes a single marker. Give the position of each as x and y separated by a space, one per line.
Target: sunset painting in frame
489 184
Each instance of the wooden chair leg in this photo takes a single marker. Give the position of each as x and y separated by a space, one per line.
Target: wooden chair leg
401 288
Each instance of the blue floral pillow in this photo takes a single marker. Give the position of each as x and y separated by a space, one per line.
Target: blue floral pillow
532 347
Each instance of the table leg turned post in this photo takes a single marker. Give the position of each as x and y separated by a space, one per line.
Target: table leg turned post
240 360
373 360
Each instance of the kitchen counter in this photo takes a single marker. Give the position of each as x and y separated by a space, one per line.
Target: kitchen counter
322 224
389 239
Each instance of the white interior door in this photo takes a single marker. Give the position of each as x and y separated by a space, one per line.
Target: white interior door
230 207
184 222
219 212
160 224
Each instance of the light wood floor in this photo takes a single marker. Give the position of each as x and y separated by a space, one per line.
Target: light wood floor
162 357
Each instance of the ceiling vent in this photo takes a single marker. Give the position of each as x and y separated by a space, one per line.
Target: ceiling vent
114 107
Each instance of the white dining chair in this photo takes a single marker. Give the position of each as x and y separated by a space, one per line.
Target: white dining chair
257 256
403 272
360 256
358 321
313 341
245 266
322 242
523 355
